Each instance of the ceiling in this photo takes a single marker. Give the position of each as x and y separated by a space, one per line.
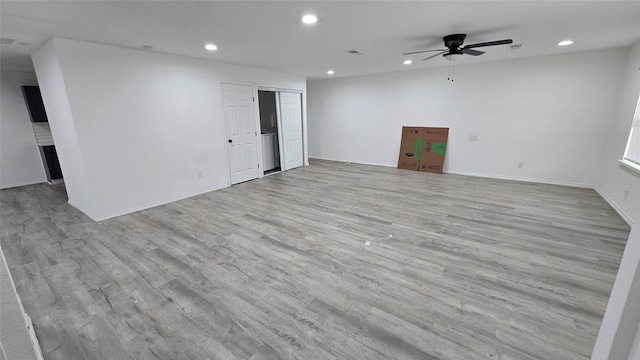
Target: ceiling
270 35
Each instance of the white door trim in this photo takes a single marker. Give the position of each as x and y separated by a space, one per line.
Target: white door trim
280 137
277 89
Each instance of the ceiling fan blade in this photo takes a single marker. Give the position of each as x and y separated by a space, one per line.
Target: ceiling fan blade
423 51
489 43
471 52
432 56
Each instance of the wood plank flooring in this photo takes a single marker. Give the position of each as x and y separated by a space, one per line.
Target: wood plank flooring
277 268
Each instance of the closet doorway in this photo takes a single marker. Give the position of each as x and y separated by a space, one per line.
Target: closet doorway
269 131
280 130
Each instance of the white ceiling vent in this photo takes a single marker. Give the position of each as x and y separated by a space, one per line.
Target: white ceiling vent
355 52
7 41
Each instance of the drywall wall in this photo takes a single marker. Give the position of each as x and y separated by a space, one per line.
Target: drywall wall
63 129
149 126
635 349
20 161
621 317
616 180
15 340
627 332
620 322
548 113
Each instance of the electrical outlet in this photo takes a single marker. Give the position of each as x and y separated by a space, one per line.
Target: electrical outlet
520 165
473 138
626 194
199 174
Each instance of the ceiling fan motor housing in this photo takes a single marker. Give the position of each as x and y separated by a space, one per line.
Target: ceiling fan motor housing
454 41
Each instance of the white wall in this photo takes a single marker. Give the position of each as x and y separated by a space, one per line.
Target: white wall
146 123
548 112
15 340
63 129
20 161
616 179
620 323
634 354
621 318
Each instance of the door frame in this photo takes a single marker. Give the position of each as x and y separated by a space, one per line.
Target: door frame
277 91
279 122
256 119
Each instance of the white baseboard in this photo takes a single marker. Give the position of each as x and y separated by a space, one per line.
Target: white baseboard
615 207
55 181
606 198
350 162
27 320
34 338
514 178
147 206
490 176
90 214
23 183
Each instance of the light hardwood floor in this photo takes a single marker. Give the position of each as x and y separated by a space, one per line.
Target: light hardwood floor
277 268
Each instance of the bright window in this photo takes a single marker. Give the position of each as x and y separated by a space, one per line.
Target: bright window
632 153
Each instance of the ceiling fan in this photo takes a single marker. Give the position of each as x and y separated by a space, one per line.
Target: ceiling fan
454 50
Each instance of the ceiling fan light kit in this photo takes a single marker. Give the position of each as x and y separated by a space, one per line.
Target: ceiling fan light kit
452 57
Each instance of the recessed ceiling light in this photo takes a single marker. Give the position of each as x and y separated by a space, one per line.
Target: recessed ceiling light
309 19
565 43
407 62
211 47
330 72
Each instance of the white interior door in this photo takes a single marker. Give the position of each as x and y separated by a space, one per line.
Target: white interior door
242 132
291 125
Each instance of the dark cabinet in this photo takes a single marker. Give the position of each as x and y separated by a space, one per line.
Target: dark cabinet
33 98
52 163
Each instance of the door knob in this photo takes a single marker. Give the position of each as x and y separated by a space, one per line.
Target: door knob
230 141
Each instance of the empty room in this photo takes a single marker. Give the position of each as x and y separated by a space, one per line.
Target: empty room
320 180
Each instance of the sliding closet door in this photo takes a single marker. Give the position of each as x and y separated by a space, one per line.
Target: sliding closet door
291 130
